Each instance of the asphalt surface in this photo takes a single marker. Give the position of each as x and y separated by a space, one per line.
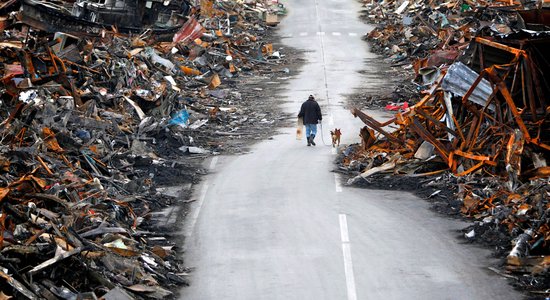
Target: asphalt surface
277 223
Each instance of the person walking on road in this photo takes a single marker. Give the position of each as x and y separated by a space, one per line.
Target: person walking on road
311 114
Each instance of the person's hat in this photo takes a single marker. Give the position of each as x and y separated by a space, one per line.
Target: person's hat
311 97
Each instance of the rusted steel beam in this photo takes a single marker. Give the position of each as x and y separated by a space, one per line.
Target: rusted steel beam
483 160
476 124
28 65
523 88
472 169
48 170
53 59
400 117
487 137
538 87
538 143
436 122
375 125
20 136
515 78
470 135
425 99
530 92
508 98
388 122
501 86
416 126
486 159
481 56
473 86
67 162
512 50
541 172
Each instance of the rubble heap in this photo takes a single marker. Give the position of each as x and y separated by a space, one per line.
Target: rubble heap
482 115
89 121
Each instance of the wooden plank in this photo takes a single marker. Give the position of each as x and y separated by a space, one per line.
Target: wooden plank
54 260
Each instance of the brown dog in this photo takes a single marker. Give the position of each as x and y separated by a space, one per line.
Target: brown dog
335 134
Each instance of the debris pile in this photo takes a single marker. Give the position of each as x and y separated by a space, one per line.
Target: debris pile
481 114
93 119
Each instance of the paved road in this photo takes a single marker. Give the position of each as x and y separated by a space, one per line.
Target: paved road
276 223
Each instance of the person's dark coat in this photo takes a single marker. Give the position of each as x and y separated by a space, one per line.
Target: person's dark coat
310 112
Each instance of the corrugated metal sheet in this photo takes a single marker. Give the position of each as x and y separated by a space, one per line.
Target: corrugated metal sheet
460 78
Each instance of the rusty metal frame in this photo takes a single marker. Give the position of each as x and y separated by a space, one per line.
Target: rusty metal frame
475 127
417 127
371 122
512 50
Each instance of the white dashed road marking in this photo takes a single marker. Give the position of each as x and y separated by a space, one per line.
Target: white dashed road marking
337 182
348 265
323 33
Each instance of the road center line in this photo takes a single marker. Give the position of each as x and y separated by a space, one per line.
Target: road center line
337 183
344 235
213 163
348 265
323 54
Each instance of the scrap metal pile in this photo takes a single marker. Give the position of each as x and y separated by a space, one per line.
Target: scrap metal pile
88 117
482 113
